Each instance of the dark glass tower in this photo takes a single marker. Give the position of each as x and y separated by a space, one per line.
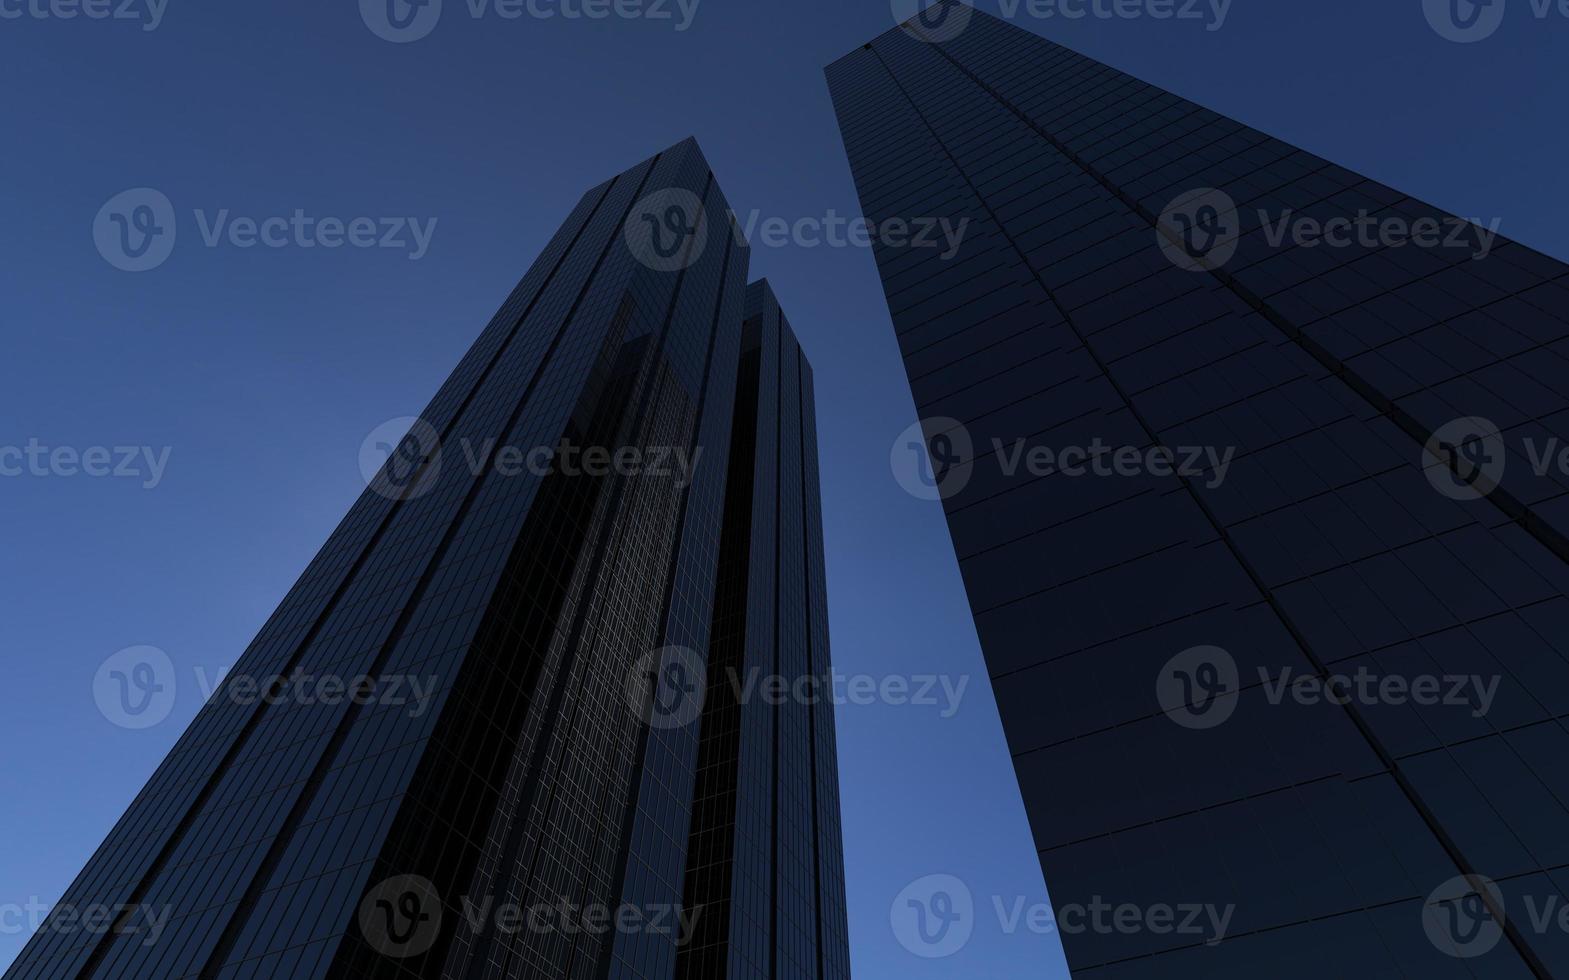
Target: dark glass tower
527 814
765 844
1124 284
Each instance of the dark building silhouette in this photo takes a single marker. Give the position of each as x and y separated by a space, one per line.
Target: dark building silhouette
765 857
1141 273
527 811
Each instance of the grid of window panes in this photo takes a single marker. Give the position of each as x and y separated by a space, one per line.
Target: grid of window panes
757 862
1323 550
657 859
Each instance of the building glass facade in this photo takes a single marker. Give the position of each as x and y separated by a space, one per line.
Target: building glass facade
1137 282
526 812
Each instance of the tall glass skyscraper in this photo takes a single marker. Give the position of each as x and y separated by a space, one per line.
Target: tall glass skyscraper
468 743
1254 471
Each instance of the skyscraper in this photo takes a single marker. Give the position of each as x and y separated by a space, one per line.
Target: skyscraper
467 743
1252 466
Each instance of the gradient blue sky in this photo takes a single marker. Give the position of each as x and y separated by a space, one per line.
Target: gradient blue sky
264 370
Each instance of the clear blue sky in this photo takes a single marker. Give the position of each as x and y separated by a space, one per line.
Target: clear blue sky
264 369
